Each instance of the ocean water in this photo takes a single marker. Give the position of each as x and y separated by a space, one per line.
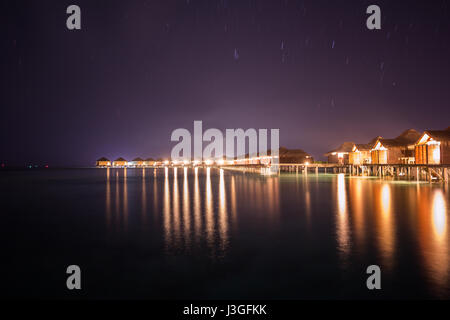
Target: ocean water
209 233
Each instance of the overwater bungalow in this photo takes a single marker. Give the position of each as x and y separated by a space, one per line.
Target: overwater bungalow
285 155
341 154
120 162
294 156
149 162
433 147
136 162
103 162
395 151
361 153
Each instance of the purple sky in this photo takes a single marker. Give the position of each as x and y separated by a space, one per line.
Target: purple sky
140 69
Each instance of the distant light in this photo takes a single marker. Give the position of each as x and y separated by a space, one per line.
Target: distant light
221 162
166 162
306 162
46 166
186 162
208 162
175 162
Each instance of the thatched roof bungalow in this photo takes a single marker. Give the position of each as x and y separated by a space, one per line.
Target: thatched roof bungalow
120 162
294 156
433 147
285 155
341 154
103 162
361 153
397 150
149 162
136 162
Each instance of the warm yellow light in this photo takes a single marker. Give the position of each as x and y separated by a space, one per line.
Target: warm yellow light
379 146
196 162
221 162
439 213
166 162
186 162
385 198
437 154
175 162
306 162
340 155
208 162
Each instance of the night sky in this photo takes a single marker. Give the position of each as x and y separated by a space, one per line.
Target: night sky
138 69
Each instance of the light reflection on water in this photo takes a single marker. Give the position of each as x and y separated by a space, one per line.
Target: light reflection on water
374 220
199 206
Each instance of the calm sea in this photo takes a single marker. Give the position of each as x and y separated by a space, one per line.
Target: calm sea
209 233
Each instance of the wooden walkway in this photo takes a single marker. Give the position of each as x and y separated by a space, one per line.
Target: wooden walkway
404 171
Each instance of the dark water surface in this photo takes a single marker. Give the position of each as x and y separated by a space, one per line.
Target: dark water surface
209 233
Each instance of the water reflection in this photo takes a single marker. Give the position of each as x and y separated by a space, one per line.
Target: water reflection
211 210
144 198
166 210
380 210
186 210
439 216
125 199
197 213
433 237
343 231
176 209
108 199
223 214
199 206
384 223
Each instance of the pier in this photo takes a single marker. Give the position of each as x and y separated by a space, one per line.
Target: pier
419 172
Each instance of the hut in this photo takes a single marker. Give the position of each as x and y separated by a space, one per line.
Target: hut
341 154
103 162
159 162
120 162
395 151
136 162
294 156
361 153
285 155
149 162
433 147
